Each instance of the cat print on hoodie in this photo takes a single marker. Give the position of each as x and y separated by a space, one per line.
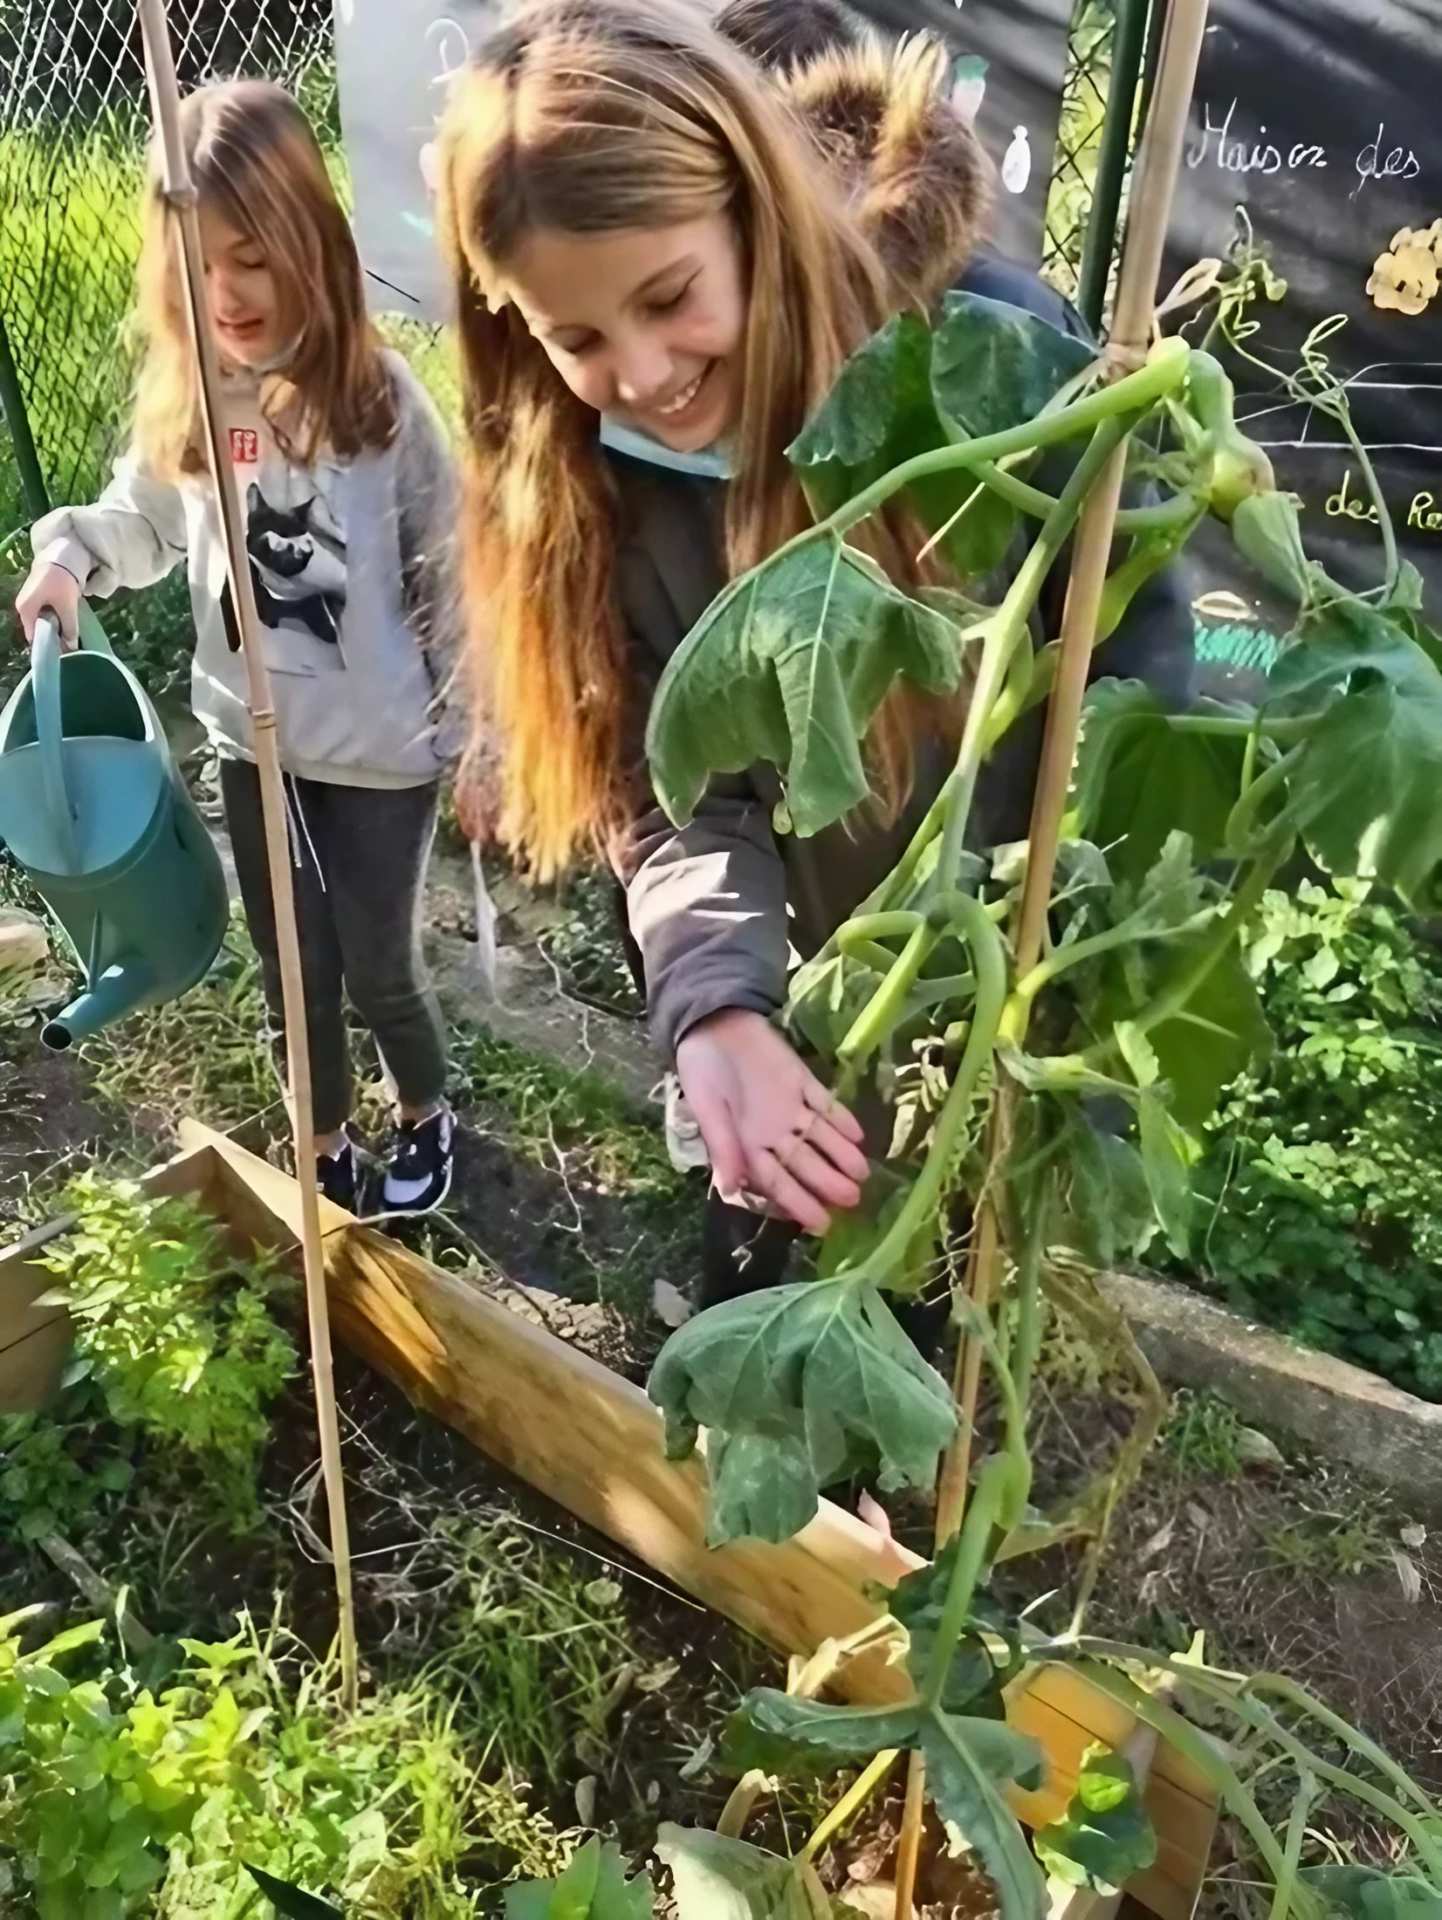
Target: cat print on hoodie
297 566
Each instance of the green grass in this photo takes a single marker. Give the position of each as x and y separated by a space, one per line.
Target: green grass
1204 1437
551 1109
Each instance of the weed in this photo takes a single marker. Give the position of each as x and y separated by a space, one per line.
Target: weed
165 1357
1332 1546
1205 1437
125 1797
532 1652
206 1054
551 1111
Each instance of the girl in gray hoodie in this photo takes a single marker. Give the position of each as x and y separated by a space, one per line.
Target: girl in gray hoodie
348 494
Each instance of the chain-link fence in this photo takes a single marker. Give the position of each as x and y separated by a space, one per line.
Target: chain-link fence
73 123
1074 164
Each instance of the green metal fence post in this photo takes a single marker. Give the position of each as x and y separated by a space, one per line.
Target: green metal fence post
1128 46
12 405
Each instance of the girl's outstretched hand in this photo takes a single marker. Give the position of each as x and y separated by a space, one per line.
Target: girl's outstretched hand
771 1128
54 589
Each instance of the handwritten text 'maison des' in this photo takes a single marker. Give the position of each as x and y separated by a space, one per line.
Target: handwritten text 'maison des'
1217 145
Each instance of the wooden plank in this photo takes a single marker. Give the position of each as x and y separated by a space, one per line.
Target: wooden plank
569 1427
35 1339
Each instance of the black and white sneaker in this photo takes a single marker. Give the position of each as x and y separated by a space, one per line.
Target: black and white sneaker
419 1166
338 1177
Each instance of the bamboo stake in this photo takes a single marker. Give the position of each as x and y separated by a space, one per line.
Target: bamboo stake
179 194
1154 185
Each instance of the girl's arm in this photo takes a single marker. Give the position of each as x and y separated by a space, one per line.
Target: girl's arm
707 907
133 536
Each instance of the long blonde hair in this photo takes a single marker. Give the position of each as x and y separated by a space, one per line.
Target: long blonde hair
254 158
586 116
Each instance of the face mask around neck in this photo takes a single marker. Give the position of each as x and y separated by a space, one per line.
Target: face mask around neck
711 463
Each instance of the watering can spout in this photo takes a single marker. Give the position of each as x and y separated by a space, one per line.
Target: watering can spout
118 991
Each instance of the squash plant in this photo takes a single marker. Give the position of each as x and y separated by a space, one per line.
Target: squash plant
1068 1098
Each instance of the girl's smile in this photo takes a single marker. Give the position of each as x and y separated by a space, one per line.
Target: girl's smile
645 324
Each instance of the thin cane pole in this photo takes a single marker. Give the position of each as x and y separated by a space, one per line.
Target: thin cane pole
179 195
1155 182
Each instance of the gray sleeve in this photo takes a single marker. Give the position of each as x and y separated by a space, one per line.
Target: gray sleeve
133 535
707 908
428 509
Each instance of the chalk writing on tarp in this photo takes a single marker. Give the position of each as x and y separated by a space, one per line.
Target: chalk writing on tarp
1317 118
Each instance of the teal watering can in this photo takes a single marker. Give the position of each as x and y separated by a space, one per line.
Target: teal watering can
93 808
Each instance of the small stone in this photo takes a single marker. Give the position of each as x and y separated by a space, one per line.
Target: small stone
586 1800
1254 1449
1414 1537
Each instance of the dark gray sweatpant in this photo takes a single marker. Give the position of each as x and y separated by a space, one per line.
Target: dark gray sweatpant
358 858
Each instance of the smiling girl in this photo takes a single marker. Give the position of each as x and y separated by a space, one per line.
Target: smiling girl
659 271
348 492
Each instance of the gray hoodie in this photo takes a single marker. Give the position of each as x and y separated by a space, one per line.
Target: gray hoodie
352 564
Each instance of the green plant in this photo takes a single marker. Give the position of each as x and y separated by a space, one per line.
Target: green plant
1322 1168
176 1349
1205 1437
172 1799
1077 1007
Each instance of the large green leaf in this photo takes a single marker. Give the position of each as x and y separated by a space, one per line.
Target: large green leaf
1109 1218
909 391
1140 777
1364 791
1365 1893
799 1386
788 667
775 1732
969 1764
994 365
593 1887
717 1878
1106 1835
977 1673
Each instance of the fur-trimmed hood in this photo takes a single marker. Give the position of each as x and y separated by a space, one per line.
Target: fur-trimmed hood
921 183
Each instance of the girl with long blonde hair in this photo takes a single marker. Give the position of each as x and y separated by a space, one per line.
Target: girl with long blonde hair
349 498
661 260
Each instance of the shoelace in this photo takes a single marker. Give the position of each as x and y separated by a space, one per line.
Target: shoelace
407 1162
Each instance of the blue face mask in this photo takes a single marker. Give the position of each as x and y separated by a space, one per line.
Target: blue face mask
711 463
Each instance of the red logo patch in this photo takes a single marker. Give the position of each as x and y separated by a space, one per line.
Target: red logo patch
245 446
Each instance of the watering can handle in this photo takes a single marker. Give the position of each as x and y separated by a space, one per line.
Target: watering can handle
50 734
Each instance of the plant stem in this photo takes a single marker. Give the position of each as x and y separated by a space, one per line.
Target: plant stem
1175 512
989 959
1298 1697
1240 819
1129 933
850 1803
1028 1298
1164 373
1292 1856
1007 629
871 1027
971 1557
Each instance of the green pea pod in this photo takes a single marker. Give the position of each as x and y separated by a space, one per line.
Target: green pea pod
1267 532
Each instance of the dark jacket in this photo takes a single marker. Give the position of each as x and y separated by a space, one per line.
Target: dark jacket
717 906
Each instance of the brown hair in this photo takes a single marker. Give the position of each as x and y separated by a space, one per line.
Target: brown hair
586 116
254 158
787 33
